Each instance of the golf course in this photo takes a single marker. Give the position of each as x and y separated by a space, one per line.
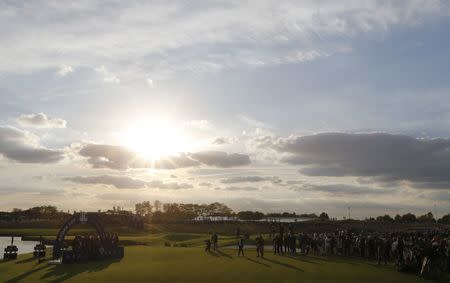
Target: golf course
192 264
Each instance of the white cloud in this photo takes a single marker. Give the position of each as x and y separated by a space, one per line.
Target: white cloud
64 70
40 120
157 38
107 75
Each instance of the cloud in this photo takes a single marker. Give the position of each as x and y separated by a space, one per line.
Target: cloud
383 157
250 179
64 70
107 75
205 184
161 45
23 147
234 189
121 158
124 182
219 141
343 190
110 156
40 120
182 160
438 196
221 159
223 140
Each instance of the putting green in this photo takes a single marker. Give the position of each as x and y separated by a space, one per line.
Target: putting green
170 264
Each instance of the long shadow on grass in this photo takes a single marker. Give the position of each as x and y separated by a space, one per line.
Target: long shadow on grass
64 272
25 274
283 264
257 262
224 254
335 260
213 253
301 258
26 260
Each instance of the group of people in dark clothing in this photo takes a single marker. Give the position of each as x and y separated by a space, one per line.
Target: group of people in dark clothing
427 252
93 247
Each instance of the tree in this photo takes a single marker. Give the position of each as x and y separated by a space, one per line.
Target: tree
324 216
158 205
219 209
385 218
250 215
397 218
409 218
426 218
143 209
445 219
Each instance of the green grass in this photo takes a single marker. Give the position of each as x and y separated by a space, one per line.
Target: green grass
168 264
126 238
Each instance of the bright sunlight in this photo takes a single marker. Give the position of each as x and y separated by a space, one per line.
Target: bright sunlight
153 139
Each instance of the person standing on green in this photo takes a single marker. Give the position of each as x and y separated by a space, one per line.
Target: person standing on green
241 247
260 246
214 240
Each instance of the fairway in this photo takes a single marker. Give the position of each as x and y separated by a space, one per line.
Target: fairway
171 264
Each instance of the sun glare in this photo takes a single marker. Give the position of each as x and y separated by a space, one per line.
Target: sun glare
155 139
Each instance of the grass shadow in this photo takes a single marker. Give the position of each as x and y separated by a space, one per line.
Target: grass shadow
64 272
257 262
334 259
302 258
26 260
25 274
287 265
224 254
213 253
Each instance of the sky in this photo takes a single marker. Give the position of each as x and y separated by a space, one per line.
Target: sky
299 106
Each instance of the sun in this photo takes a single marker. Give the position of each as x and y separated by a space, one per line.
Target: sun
153 139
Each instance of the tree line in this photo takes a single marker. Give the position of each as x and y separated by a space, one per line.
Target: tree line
159 212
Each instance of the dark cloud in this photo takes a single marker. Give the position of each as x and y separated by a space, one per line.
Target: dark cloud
384 157
121 158
250 179
23 147
110 156
221 159
41 120
205 184
124 182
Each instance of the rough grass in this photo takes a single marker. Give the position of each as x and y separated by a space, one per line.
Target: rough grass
168 264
